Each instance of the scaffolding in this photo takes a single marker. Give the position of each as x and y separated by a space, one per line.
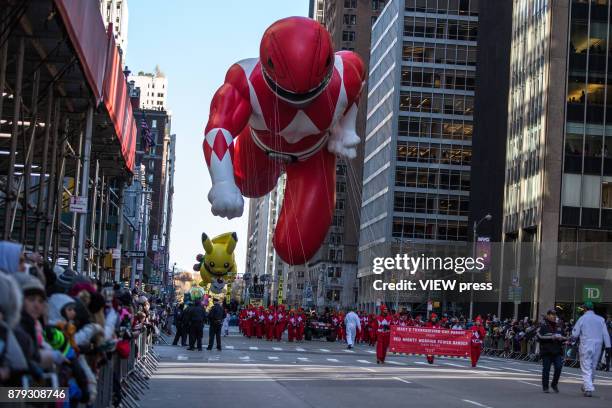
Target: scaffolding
67 135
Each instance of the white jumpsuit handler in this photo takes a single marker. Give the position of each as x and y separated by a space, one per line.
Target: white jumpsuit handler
593 334
352 324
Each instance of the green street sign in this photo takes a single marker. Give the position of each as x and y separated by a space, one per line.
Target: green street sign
591 292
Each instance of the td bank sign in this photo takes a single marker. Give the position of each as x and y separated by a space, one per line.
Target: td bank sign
591 292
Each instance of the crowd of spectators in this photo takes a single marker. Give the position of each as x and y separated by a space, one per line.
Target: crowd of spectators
59 328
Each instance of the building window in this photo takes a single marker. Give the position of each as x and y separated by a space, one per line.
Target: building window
333 295
350 3
154 123
378 4
350 19
348 36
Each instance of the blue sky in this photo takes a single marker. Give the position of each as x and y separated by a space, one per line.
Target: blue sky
194 42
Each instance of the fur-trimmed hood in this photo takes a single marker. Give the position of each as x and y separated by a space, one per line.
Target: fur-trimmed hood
11 300
57 302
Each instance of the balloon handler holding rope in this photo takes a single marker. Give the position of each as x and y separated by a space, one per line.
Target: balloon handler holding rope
217 267
291 110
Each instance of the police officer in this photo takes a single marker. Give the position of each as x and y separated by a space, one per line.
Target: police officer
215 319
195 315
550 336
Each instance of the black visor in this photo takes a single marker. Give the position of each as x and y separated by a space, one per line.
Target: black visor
293 96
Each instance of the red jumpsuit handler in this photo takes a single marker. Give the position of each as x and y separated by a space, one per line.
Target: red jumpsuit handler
260 321
372 330
249 321
281 322
291 326
301 323
291 110
383 334
241 320
478 336
270 323
433 322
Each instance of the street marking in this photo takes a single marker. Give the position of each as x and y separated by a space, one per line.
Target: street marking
299 349
517 370
303 358
453 364
348 351
245 358
364 362
324 350
525 382
272 358
488 368
253 348
229 347
368 369
333 360
277 349
371 351
396 363
478 404
426 364
182 358
402 380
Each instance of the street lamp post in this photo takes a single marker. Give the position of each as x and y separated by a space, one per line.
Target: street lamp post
487 217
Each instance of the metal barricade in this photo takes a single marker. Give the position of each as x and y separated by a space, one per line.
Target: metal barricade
120 379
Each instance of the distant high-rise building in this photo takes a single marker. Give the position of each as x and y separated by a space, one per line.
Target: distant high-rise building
331 273
417 174
558 187
115 12
153 89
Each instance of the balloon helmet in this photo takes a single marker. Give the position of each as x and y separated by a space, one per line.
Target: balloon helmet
297 59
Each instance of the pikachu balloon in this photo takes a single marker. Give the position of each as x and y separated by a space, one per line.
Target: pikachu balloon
217 266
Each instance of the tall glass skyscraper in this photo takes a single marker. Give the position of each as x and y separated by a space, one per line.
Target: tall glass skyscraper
558 193
416 175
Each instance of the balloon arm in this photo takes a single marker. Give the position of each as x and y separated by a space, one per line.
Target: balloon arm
344 139
225 197
229 114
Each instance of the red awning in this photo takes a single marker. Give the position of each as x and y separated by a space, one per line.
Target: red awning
102 66
117 102
85 27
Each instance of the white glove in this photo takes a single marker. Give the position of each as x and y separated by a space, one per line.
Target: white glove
226 200
343 143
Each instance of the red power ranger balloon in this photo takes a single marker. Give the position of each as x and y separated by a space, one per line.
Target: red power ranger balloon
290 110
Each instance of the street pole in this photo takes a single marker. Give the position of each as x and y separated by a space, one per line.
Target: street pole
487 217
474 237
85 187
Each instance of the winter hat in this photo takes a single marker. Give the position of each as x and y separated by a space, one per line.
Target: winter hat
57 303
30 285
81 286
10 300
10 254
66 278
96 303
124 297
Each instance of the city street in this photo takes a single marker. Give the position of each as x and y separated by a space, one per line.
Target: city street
252 372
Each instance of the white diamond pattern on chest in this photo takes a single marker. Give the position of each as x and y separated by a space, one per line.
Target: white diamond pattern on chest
300 127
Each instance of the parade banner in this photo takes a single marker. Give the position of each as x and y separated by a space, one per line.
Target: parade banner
430 341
